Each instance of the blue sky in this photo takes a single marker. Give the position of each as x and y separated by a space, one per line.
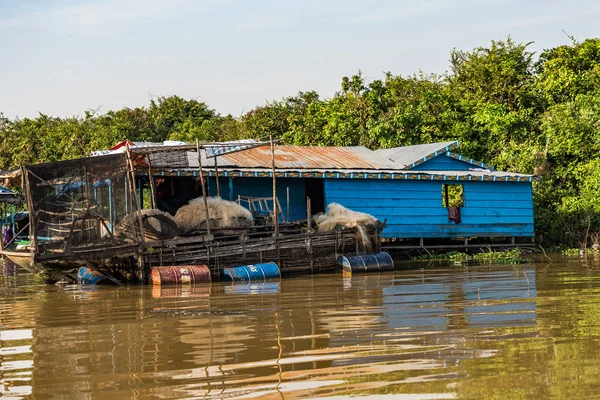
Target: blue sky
62 57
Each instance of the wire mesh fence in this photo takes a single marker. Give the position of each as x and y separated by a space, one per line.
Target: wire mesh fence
77 203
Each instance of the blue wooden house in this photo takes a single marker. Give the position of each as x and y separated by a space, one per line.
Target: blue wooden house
423 191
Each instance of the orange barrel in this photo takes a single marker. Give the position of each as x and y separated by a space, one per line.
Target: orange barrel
180 275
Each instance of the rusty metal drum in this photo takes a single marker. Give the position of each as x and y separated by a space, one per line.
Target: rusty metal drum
180 275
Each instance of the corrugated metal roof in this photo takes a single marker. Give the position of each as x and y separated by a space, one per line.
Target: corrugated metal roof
474 174
305 157
413 155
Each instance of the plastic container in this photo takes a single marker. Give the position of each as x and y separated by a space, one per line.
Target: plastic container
377 262
87 276
251 273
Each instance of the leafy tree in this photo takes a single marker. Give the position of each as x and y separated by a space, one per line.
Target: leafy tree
521 114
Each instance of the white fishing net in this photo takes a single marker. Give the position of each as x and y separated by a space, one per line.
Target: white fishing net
157 225
338 216
221 213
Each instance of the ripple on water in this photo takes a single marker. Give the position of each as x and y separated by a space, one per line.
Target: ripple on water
477 332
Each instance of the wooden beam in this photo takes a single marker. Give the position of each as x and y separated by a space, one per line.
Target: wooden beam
32 228
275 216
201 174
217 178
151 181
133 192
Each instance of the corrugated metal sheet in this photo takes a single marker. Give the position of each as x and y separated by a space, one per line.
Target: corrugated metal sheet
475 175
306 157
410 155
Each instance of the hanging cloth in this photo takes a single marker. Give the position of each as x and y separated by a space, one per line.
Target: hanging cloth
454 214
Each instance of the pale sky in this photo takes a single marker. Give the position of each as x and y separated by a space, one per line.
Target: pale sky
62 57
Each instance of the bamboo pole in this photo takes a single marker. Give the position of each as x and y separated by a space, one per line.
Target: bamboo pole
151 180
2 228
309 241
217 177
32 227
309 214
133 190
17 234
201 173
288 204
275 216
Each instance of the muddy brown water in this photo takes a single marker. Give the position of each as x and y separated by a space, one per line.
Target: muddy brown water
476 332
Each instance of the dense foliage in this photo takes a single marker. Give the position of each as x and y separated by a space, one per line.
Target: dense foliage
508 107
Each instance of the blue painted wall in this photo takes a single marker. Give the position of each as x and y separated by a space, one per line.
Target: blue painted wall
443 163
263 187
414 208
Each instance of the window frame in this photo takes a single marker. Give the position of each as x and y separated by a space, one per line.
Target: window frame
446 197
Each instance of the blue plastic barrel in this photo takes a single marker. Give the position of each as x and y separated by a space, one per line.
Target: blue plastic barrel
254 272
366 263
87 276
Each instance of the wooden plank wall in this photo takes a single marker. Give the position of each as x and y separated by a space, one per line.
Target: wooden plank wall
263 187
413 209
443 163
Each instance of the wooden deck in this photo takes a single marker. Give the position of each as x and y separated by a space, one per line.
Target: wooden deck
295 253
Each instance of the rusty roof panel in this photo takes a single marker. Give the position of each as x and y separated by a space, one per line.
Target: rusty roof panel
311 157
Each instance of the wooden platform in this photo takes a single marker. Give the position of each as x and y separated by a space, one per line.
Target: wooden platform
295 253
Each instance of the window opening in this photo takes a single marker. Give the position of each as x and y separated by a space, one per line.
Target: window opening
452 195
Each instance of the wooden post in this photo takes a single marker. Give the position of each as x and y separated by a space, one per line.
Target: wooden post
127 191
217 177
309 242
201 174
111 217
32 227
308 215
133 190
275 216
288 204
1 228
140 194
151 180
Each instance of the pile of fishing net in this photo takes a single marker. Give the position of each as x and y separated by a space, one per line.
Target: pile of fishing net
338 216
157 225
222 214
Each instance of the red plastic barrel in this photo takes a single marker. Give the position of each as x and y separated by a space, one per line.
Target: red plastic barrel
180 275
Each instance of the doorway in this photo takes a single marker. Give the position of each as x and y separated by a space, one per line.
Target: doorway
315 190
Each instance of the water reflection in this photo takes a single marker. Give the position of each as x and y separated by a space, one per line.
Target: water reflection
268 287
476 332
